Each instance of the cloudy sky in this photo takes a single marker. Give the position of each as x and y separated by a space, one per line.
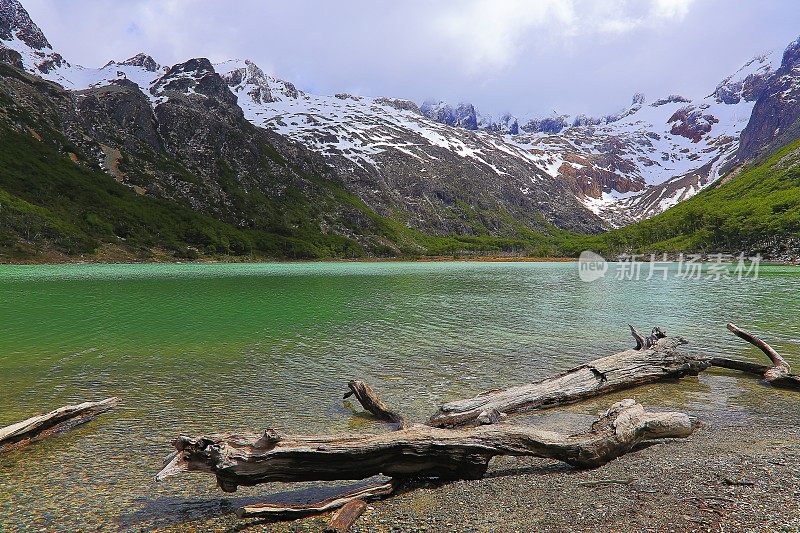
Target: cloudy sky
523 56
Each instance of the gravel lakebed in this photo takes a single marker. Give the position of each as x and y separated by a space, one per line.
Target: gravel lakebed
739 471
732 474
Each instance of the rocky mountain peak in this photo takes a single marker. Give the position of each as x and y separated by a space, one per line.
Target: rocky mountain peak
791 56
552 124
248 77
748 82
399 103
197 77
776 116
23 43
671 99
507 123
16 23
462 116
144 61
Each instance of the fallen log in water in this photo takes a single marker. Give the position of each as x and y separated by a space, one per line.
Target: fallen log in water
442 449
655 358
371 402
416 451
777 374
57 421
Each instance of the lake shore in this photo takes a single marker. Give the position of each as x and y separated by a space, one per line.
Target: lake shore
730 475
109 254
167 260
117 255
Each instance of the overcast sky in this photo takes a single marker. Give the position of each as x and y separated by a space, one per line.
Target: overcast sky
523 56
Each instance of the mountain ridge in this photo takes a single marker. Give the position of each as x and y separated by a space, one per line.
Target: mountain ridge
183 132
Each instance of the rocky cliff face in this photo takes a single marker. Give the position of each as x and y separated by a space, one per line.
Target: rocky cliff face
23 43
776 116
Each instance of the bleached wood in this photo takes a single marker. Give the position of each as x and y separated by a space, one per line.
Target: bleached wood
419 450
277 510
56 421
622 370
777 374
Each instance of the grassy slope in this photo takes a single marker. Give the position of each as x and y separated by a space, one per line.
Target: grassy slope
48 203
753 212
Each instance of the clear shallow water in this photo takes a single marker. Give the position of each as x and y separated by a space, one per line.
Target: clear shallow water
202 348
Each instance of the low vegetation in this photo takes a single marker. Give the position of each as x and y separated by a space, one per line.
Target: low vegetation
754 211
50 203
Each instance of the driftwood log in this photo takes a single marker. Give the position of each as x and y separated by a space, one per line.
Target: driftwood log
57 421
371 402
440 449
291 511
779 373
343 519
460 439
416 451
655 358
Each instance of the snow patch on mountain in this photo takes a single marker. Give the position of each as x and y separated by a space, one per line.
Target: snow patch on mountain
623 166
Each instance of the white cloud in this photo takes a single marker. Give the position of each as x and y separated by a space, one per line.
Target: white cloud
671 9
494 33
489 32
527 57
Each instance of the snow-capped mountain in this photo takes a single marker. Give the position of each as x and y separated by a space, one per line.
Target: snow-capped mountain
429 176
572 171
640 161
23 44
624 166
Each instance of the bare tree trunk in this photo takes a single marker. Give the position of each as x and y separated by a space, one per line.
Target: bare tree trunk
661 360
57 421
418 450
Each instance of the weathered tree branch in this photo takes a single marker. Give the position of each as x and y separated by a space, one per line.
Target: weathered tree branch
57 421
343 519
419 450
277 510
638 337
778 374
780 368
615 372
371 402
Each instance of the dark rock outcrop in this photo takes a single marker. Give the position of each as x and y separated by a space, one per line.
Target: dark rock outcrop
12 57
691 122
142 60
775 120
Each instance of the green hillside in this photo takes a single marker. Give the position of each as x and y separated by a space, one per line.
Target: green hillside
48 203
756 211
51 205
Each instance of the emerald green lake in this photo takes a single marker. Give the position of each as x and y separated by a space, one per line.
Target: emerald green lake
223 347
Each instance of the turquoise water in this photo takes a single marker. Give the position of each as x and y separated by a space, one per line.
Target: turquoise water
211 348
